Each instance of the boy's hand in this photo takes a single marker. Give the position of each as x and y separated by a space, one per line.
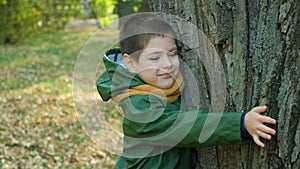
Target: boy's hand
254 123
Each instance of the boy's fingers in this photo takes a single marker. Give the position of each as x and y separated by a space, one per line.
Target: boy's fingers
258 142
267 119
259 109
264 135
267 129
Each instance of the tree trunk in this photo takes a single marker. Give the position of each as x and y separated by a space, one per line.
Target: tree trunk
259 45
124 8
144 6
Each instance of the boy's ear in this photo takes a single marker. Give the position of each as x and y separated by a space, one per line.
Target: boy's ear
129 62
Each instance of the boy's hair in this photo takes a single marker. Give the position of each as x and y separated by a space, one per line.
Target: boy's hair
139 29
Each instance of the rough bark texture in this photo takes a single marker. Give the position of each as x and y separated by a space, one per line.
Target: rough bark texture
259 44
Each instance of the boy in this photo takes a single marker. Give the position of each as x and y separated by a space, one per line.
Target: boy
145 81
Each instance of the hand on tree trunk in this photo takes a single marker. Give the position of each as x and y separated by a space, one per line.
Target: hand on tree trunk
254 123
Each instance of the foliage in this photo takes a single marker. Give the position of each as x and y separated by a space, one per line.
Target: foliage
39 126
104 10
22 18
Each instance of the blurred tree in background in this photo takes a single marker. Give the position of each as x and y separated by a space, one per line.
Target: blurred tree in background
22 18
127 7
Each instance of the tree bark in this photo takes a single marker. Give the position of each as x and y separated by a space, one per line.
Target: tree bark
259 45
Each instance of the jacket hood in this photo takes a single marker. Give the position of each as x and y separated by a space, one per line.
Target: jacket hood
116 78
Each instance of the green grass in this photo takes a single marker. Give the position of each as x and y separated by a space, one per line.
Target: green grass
39 126
41 59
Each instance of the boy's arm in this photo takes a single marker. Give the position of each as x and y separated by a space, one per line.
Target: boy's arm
152 122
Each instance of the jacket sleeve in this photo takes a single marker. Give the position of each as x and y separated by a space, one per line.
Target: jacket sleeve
152 121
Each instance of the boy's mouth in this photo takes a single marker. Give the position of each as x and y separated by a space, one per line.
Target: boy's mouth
167 75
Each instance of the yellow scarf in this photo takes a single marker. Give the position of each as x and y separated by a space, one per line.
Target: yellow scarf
171 94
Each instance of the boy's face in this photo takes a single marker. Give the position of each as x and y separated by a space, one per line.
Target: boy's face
158 63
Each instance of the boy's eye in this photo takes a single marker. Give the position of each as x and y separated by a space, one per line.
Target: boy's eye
173 54
154 58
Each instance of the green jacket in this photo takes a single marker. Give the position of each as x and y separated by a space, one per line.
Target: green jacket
159 134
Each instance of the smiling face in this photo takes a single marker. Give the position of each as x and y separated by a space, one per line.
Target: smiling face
158 63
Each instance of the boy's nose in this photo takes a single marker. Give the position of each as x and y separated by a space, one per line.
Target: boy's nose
166 62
